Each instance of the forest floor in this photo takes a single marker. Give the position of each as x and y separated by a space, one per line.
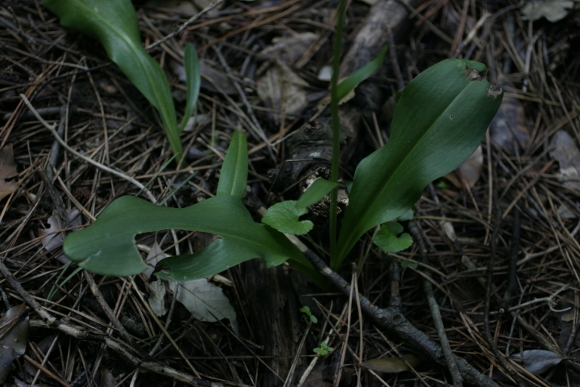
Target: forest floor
261 64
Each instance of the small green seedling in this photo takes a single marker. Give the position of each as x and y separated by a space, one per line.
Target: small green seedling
439 120
306 311
323 350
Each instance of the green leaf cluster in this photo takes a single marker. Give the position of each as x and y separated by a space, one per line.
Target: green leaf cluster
107 247
114 24
439 120
323 350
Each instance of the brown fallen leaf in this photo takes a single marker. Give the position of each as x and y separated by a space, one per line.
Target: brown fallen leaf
509 129
566 153
7 171
289 49
391 365
470 169
316 378
282 90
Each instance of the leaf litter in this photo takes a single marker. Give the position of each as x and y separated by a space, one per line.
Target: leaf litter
534 59
204 300
7 171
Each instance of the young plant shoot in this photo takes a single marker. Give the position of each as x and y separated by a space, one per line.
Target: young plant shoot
114 24
439 121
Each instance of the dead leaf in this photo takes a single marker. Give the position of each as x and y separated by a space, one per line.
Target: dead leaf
157 289
107 378
13 338
53 236
565 213
7 171
205 301
509 129
289 49
551 10
537 361
211 79
391 365
470 169
282 90
316 378
567 154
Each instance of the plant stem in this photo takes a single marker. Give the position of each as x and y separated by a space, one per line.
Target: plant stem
334 259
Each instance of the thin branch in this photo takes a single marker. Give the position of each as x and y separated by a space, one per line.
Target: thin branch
391 319
435 311
52 129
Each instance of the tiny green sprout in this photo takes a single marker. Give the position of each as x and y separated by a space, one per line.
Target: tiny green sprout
323 350
306 311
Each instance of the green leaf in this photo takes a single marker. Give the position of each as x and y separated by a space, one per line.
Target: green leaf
316 192
439 121
353 80
406 216
192 82
389 240
114 24
234 172
107 247
284 216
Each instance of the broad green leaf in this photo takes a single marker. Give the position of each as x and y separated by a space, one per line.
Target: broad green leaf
114 24
440 119
391 238
316 192
192 82
353 80
234 172
284 216
107 247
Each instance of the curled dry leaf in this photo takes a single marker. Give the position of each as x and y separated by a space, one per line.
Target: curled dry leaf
53 236
289 49
204 300
537 361
157 289
282 91
552 10
13 338
567 154
7 171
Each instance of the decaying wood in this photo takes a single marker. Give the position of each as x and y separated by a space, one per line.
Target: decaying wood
384 16
273 316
